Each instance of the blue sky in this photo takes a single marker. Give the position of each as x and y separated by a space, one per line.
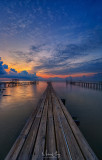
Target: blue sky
57 38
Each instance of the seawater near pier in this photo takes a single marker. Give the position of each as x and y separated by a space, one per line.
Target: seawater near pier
15 109
86 104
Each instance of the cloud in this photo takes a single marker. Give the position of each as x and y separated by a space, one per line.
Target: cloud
23 75
14 74
5 66
67 58
21 56
2 67
36 48
92 66
70 50
34 52
13 70
62 37
71 39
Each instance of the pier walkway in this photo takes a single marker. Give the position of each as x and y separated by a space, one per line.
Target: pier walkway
91 85
51 133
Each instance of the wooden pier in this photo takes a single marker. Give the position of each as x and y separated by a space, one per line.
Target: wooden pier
51 133
16 83
4 85
91 85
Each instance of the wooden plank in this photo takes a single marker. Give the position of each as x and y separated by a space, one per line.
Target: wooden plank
72 146
50 152
16 148
83 144
40 140
27 149
61 146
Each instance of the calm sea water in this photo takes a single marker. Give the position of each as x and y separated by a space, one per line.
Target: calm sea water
84 103
15 109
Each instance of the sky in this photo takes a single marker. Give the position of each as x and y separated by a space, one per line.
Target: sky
50 38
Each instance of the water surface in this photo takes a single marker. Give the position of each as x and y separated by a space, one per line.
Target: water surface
86 104
15 109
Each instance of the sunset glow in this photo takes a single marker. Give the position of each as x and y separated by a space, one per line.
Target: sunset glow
65 76
50 39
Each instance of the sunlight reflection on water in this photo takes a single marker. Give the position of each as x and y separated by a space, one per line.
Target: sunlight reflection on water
15 110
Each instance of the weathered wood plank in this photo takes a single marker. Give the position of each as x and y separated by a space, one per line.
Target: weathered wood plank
40 140
50 139
28 147
72 146
61 146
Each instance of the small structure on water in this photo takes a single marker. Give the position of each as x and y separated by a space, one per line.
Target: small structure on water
15 80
